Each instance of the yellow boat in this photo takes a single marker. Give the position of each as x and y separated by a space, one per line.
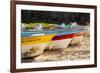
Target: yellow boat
38 43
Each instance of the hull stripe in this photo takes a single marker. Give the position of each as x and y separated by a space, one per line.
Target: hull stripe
66 36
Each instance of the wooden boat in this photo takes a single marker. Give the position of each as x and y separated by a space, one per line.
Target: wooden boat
49 38
64 38
35 42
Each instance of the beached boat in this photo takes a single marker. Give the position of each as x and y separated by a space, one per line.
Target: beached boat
35 41
64 38
39 41
47 38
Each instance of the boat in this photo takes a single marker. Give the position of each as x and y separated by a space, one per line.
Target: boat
35 41
58 38
38 41
66 37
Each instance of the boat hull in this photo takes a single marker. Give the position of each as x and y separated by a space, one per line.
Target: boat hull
35 43
33 50
49 41
62 41
78 38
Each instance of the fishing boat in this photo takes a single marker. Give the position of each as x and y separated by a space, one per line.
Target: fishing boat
58 38
66 37
35 41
